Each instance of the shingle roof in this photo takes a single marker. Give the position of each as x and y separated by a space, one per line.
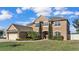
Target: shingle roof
58 19
52 19
22 28
30 24
41 16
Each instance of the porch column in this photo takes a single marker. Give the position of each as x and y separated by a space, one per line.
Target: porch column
7 36
18 35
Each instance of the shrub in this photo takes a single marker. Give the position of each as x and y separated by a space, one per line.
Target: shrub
20 39
33 35
30 36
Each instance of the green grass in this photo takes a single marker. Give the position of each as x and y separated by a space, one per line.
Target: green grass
45 45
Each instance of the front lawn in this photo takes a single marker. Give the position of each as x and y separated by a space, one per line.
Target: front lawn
45 45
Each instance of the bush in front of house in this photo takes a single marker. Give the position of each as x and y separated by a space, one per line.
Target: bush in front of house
21 39
58 37
33 35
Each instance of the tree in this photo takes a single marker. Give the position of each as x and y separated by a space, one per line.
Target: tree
76 25
1 33
32 34
50 33
40 30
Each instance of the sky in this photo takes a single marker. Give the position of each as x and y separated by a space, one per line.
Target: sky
25 15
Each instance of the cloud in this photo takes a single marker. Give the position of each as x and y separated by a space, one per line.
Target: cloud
25 8
62 11
77 13
56 13
23 22
1 27
73 16
60 8
5 15
32 19
45 11
18 10
67 12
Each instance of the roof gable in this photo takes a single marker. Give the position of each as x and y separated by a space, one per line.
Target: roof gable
19 27
41 18
12 27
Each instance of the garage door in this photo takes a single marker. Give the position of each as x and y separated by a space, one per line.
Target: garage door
13 36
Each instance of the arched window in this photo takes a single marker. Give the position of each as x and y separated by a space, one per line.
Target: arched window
57 33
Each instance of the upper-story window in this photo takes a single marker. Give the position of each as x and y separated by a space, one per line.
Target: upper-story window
36 24
57 23
45 24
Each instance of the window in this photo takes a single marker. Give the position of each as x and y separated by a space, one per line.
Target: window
57 23
36 24
45 24
57 33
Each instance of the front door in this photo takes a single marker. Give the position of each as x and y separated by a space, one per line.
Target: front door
45 34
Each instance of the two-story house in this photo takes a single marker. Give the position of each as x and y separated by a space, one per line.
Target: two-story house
59 26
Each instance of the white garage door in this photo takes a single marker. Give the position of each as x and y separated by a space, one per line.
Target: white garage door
74 36
13 36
